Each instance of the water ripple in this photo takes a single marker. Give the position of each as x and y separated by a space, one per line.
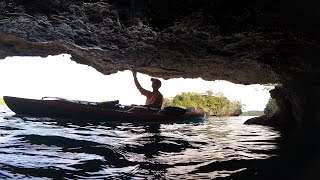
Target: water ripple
34 148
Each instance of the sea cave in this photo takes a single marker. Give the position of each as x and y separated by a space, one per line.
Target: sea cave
241 41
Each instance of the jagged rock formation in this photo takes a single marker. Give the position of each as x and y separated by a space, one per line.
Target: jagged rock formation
243 41
283 114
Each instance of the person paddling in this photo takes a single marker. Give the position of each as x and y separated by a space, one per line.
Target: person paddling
154 98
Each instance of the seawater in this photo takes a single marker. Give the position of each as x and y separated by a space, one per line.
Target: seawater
218 148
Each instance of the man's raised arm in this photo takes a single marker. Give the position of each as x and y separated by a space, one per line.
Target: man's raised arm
136 82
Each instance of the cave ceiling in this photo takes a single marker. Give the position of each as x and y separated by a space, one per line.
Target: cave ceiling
243 41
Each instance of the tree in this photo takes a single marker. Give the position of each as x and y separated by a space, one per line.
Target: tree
2 101
217 105
271 106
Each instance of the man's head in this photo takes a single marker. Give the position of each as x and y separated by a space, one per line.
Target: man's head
156 83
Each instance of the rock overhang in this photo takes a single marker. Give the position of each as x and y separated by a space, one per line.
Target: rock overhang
244 41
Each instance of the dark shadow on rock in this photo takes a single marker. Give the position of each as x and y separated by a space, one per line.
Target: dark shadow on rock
282 117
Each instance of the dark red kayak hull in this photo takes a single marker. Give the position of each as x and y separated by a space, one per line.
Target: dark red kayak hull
67 109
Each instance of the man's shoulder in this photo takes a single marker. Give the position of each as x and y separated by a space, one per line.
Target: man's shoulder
159 94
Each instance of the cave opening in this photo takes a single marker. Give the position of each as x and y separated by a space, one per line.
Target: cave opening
59 76
35 77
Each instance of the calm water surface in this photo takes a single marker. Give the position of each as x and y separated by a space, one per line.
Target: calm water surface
47 148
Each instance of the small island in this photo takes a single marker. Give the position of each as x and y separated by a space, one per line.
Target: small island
213 104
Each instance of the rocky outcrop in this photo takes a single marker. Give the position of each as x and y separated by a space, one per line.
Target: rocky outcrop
242 41
282 116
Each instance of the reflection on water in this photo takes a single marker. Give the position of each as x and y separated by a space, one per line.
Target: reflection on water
55 148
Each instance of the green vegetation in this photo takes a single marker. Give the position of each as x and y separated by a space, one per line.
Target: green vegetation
271 106
215 105
2 102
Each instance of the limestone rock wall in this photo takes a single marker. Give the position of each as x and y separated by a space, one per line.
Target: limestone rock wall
210 39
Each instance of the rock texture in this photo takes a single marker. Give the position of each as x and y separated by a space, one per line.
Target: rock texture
243 41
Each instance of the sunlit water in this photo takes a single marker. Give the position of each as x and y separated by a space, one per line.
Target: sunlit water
59 148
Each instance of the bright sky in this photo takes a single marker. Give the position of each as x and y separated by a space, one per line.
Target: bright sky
58 76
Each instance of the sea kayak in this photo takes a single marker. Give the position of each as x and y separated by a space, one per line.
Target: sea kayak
62 108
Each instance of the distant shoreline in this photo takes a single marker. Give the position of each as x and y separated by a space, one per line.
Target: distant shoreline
252 113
